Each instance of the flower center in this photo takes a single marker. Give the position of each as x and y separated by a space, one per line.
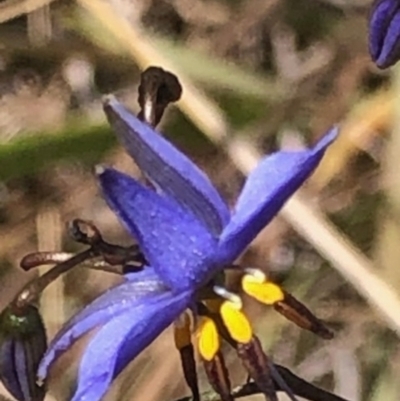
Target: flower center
221 314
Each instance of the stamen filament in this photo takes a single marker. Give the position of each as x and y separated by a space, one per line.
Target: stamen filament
182 335
214 305
257 274
189 370
230 296
182 332
257 364
218 376
299 314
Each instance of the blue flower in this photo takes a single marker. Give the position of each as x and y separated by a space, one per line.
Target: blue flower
187 235
384 32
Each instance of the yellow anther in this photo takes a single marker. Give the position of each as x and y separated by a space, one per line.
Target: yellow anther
265 291
236 322
182 332
207 338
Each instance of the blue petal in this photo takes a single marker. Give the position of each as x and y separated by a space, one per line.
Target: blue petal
10 366
173 241
267 188
384 32
168 168
21 348
121 340
381 14
142 287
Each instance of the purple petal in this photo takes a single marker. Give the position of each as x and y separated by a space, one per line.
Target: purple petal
10 370
173 241
121 340
381 14
384 32
267 188
390 53
143 287
168 168
18 364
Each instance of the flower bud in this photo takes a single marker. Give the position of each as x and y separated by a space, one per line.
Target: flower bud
384 32
22 345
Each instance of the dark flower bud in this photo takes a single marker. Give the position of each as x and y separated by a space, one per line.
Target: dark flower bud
157 89
22 345
384 32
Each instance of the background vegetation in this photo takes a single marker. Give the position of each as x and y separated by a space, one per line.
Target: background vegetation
257 75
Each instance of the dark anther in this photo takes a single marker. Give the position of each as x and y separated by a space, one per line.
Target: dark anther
157 89
218 376
257 364
189 370
299 314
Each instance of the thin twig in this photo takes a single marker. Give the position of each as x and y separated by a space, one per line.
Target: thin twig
15 8
32 291
36 259
299 386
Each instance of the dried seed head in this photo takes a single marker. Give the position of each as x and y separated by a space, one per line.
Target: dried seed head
157 89
84 232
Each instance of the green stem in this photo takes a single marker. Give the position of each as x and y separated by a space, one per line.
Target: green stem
28 154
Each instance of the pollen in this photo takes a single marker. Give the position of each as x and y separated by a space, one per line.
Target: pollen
263 290
207 338
236 322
